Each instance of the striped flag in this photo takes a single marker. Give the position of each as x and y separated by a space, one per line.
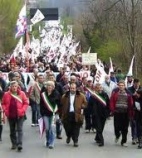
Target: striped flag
21 24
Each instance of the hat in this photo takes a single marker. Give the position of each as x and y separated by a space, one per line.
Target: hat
90 78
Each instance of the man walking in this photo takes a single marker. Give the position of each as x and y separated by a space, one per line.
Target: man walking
121 106
72 104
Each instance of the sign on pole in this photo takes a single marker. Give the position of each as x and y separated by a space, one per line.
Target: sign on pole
89 58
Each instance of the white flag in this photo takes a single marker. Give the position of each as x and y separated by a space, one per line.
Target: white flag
41 126
37 17
19 45
88 52
130 71
111 66
100 73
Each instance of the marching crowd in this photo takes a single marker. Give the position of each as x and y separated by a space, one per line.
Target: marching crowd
69 101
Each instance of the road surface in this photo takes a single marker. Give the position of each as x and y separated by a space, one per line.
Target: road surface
33 145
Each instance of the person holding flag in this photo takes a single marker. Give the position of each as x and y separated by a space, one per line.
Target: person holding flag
99 105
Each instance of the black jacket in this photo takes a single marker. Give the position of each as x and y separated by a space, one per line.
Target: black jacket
54 99
97 108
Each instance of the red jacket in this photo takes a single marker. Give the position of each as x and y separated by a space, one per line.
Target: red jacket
114 98
21 106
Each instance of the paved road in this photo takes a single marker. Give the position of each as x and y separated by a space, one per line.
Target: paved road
33 146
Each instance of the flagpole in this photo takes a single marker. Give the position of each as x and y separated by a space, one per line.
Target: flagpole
26 42
89 66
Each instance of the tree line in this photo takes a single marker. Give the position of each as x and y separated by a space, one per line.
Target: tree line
113 28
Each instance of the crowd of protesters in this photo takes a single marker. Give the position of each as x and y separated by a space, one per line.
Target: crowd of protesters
66 100
69 101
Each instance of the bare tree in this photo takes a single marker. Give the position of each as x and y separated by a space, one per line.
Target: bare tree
118 20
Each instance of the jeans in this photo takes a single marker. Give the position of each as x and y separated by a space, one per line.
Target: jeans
133 129
16 130
58 127
50 129
35 113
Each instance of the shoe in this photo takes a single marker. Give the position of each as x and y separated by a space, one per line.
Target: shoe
93 130
97 141
59 137
37 124
134 141
13 147
0 139
139 146
68 140
116 140
124 144
101 144
76 144
50 147
87 131
33 125
19 148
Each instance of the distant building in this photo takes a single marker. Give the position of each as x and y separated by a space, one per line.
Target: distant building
72 6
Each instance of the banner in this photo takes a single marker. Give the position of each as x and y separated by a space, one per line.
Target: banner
89 58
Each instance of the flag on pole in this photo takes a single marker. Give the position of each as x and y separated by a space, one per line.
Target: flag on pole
111 66
27 42
88 52
16 51
21 24
19 46
37 17
130 71
100 73
41 126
